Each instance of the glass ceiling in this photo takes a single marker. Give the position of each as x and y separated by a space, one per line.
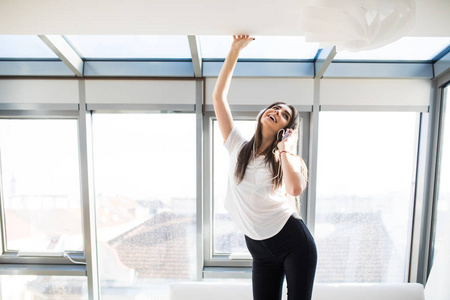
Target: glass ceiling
130 46
264 47
24 46
407 48
212 47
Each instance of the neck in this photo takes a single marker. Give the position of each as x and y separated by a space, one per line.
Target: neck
267 140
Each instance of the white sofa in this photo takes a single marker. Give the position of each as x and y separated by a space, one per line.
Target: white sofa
243 291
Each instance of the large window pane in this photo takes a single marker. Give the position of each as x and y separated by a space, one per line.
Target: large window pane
227 238
437 284
131 46
264 47
43 287
40 184
365 180
145 183
406 48
24 46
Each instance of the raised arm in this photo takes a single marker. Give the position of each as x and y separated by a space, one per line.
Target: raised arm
221 107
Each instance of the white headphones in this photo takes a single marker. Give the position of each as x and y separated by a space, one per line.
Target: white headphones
260 113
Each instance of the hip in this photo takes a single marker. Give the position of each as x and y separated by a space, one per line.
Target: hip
294 236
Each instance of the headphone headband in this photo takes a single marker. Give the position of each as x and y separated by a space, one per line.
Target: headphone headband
260 113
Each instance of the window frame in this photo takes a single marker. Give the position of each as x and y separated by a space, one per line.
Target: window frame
415 200
151 109
444 109
41 112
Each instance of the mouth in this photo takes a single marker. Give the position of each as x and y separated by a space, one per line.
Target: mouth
272 118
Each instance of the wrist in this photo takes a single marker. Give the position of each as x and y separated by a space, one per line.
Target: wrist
235 50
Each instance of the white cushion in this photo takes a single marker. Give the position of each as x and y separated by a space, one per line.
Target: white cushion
243 291
210 291
376 291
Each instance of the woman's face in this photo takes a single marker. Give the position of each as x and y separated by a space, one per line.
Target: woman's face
276 117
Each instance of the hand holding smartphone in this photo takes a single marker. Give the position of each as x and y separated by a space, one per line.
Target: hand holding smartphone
287 134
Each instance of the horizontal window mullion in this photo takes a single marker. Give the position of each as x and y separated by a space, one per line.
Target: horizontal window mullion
141 107
374 108
43 269
40 106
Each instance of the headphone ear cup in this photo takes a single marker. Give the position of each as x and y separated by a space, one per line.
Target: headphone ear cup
260 113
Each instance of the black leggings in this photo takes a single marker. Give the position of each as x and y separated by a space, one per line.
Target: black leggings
291 252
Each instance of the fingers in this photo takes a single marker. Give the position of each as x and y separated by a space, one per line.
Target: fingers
241 36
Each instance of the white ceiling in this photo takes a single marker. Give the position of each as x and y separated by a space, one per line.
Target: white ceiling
183 17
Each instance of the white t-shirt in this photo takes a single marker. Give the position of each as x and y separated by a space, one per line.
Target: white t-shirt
258 212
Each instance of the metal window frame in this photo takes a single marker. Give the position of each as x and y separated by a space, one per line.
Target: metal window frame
10 262
82 112
415 202
116 108
425 187
444 106
436 69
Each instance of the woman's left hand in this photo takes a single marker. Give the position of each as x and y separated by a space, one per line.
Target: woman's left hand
289 143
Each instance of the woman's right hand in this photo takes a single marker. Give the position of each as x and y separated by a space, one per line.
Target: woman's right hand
241 41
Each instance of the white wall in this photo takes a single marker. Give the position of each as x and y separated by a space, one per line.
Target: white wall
243 91
140 91
264 91
385 92
39 91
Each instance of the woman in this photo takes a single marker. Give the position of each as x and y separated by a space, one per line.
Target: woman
263 173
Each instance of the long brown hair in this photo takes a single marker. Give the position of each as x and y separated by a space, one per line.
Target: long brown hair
245 154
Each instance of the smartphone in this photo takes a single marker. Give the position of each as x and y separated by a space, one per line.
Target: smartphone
287 134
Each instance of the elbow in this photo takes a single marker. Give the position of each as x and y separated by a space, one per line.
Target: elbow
296 191
217 97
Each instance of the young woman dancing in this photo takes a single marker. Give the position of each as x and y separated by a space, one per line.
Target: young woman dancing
263 173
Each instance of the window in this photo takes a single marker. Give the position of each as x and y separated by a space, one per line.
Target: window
437 287
228 240
43 287
268 47
24 46
145 186
40 185
365 184
131 47
406 48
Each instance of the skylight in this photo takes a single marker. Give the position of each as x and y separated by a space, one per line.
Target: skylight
264 47
130 46
406 49
24 46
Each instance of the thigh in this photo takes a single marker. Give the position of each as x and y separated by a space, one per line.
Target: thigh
267 272
267 280
300 267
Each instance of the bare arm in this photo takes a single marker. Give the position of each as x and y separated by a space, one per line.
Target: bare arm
221 107
293 178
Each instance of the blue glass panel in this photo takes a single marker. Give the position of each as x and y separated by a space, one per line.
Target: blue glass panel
130 46
264 47
24 46
407 48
